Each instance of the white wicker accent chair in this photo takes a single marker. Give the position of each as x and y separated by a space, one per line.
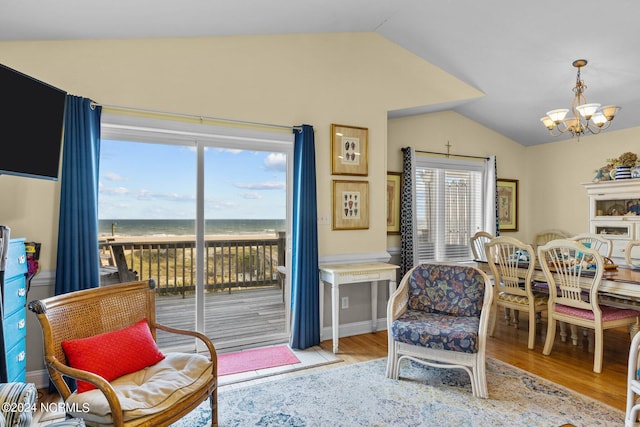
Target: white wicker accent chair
505 255
633 384
438 316
567 267
595 241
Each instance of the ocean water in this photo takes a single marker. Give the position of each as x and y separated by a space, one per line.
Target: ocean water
182 227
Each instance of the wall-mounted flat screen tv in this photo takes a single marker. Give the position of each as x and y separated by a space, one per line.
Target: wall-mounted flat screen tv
31 125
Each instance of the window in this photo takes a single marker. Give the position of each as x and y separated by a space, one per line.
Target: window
449 207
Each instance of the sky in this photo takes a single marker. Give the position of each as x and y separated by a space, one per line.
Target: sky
158 181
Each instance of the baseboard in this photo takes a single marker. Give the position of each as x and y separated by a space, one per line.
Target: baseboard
39 378
356 328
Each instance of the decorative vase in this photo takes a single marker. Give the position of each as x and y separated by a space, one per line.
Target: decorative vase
623 172
635 172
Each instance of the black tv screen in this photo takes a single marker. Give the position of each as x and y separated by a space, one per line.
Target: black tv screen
31 123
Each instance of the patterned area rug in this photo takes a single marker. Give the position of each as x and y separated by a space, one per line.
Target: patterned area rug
361 395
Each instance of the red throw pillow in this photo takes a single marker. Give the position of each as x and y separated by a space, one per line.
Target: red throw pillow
113 354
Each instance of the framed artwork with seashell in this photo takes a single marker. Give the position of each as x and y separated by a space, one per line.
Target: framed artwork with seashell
350 205
349 150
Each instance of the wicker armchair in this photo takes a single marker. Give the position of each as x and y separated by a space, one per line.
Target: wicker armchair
157 395
439 316
633 384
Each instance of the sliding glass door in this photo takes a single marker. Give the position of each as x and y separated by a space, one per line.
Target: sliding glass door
205 212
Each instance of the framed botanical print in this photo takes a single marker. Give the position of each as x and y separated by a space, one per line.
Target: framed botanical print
394 190
350 205
349 150
508 204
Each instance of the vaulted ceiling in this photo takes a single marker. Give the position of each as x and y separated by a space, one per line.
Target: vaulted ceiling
518 54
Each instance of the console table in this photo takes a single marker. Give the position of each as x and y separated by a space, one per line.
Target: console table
343 274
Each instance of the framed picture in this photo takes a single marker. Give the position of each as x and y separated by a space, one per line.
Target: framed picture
350 205
394 190
508 204
349 150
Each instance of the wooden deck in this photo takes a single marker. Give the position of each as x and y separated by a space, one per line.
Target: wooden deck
233 320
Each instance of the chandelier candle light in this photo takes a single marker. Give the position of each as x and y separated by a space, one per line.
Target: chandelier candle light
586 117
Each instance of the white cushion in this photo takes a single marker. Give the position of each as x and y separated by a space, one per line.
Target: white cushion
146 392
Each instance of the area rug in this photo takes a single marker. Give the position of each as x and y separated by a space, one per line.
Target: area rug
254 359
361 395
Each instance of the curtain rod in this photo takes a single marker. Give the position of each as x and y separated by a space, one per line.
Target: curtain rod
193 116
455 155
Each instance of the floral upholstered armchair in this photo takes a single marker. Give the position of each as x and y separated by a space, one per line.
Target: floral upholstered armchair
439 316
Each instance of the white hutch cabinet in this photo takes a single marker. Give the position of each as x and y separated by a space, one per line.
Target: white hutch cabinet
609 214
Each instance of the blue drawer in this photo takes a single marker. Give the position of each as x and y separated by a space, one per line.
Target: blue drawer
16 259
15 328
21 377
15 295
17 362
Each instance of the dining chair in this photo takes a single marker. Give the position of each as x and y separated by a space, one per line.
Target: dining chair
571 268
438 316
595 241
546 236
631 255
477 242
633 262
511 290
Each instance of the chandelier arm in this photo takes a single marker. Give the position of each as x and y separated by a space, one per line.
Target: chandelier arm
593 131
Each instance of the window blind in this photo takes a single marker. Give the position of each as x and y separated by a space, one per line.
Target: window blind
449 207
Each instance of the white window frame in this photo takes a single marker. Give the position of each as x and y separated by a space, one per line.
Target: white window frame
479 210
202 135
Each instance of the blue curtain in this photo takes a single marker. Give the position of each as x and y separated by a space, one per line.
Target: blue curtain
305 303
78 259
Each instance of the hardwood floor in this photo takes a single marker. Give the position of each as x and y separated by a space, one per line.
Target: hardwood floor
567 365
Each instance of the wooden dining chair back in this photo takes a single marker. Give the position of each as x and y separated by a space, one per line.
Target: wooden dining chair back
575 272
632 254
597 242
511 289
92 335
438 316
544 237
477 242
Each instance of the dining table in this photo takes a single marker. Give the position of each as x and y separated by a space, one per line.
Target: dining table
622 282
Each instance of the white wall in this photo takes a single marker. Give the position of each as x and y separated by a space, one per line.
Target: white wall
432 132
349 79
558 200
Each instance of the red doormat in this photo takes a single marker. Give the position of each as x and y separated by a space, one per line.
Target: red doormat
251 360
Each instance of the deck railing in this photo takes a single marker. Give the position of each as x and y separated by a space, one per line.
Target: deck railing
229 263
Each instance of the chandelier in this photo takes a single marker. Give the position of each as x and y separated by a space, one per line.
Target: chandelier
589 118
